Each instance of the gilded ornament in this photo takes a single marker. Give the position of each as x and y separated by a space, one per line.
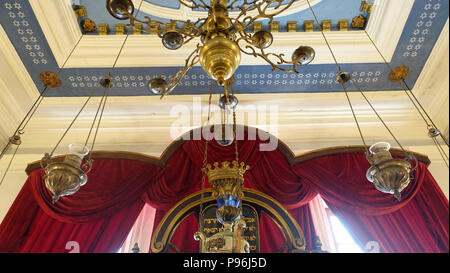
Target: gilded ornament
399 73
308 25
103 29
358 21
326 25
292 26
89 25
50 79
80 11
343 25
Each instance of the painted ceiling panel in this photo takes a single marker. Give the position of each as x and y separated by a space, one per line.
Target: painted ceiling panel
421 31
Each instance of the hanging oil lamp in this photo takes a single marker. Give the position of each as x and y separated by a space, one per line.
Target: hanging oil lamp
389 175
66 177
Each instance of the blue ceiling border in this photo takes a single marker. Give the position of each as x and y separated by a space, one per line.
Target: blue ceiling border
421 32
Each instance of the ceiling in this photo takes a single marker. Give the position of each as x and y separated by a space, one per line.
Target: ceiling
406 38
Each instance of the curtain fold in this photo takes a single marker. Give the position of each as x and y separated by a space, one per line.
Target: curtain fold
341 181
97 217
418 223
421 226
48 235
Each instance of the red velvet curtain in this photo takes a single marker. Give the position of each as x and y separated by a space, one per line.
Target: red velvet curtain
419 223
98 217
111 200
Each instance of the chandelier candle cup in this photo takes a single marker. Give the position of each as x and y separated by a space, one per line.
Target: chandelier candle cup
172 40
120 9
157 86
262 39
303 55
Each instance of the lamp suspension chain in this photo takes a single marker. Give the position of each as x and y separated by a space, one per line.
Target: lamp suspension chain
432 128
16 137
107 86
104 98
342 80
410 95
205 161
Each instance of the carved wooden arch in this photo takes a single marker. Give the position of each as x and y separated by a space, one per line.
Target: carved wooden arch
282 147
295 240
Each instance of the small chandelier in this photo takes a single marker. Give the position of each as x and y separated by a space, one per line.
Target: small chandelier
221 37
66 177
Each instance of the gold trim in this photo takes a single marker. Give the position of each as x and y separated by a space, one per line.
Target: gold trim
290 235
158 246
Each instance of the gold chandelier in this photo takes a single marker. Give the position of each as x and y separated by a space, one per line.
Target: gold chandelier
223 38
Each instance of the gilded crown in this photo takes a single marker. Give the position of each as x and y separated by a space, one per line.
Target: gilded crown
227 170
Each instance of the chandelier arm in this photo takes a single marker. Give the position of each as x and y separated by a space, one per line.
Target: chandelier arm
194 4
265 56
262 13
243 4
189 29
192 60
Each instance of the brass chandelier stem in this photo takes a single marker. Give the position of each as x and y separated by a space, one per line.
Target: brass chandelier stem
220 52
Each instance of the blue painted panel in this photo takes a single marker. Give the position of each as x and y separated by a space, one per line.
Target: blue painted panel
173 4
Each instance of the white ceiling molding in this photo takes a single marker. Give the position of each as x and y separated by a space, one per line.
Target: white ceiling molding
432 86
148 51
17 89
387 20
59 24
385 27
